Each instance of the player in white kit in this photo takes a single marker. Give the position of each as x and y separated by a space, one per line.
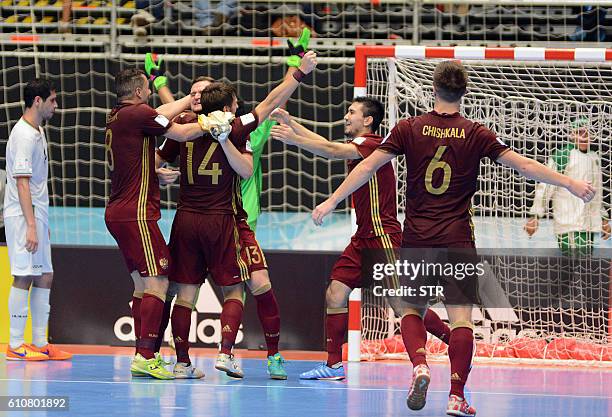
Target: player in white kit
26 219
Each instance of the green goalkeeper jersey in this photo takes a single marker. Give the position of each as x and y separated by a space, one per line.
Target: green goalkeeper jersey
251 187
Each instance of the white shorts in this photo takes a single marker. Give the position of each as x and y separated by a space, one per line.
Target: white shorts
24 263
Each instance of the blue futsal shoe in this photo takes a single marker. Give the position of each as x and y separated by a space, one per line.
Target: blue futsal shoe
324 372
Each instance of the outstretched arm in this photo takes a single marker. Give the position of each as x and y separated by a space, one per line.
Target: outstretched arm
279 95
539 172
358 176
314 143
155 73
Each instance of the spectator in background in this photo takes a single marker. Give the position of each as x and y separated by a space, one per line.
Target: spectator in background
2 187
590 21
142 18
575 222
65 23
212 19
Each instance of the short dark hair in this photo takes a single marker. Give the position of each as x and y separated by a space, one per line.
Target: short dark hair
450 80
127 81
39 87
202 78
372 107
216 96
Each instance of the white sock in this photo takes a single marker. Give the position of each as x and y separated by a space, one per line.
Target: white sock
18 312
39 306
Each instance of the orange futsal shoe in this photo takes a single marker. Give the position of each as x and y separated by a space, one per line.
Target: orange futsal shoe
24 353
52 352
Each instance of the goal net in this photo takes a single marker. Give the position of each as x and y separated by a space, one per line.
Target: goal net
79 186
537 101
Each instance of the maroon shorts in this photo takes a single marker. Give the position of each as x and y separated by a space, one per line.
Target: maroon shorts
256 258
206 243
142 245
347 269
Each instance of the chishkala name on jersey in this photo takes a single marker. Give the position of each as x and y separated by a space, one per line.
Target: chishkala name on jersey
443 133
205 321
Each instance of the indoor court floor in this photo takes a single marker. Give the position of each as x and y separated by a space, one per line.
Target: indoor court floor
100 385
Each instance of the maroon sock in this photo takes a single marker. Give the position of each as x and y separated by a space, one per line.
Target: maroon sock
269 317
136 301
335 329
165 319
460 355
415 337
181 323
435 325
231 317
151 310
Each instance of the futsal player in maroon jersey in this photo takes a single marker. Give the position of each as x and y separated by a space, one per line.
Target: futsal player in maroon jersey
443 152
377 224
205 234
132 211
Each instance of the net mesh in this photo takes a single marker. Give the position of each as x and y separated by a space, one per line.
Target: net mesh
558 308
293 180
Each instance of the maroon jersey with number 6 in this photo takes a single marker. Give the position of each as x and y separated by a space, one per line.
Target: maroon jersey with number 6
130 154
208 183
443 153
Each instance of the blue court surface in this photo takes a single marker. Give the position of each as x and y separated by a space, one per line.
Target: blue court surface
102 386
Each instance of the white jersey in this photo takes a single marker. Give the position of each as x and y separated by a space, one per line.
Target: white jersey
570 213
26 156
2 188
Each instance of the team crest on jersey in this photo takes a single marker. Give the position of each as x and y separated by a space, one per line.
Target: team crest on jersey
163 262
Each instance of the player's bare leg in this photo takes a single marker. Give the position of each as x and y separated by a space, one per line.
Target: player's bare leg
231 317
181 324
336 325
269 317
460 354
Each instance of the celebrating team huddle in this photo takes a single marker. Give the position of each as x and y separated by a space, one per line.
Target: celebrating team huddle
218 145
213 236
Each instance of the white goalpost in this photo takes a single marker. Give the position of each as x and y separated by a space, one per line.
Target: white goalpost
532 99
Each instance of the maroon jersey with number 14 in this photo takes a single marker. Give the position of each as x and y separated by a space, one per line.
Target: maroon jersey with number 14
208 183
443 153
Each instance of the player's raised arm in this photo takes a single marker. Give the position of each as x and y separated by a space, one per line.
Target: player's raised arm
539 172
279 95
154 68
358 176
296 134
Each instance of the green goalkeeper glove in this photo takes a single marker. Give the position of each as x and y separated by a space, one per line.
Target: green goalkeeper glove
298 48
153 69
